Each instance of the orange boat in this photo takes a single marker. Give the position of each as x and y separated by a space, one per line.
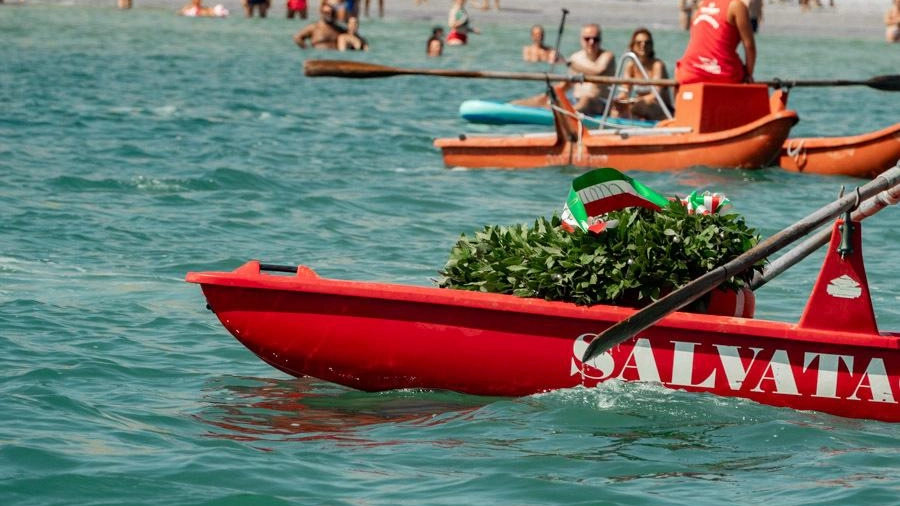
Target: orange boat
866 155
735 126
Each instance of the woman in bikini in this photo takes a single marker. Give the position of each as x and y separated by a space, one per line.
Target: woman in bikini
639 101
351 40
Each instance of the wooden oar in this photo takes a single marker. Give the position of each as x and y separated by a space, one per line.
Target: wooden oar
362 70
692 291
814 242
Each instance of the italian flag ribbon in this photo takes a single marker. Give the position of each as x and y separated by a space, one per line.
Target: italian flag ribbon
603 190
707 203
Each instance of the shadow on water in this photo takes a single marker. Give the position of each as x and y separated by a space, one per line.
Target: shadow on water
302 409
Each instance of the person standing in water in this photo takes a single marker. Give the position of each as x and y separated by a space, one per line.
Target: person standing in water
296 8
380 8
458 20
260 6
352 40
892 23
323 34
435 45
686 12
711 55
755 7
537 51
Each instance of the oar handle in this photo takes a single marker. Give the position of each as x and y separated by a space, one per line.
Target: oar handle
807 247
641 320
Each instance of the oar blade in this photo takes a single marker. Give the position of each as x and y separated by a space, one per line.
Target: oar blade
885 83
345 68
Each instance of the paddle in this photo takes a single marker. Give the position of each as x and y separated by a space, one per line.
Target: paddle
812 243
692 291
362 70
559 34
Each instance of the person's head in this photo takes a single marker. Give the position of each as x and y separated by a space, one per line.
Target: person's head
352 24
435 47
591 38
642 43
537 34
437 32
327 12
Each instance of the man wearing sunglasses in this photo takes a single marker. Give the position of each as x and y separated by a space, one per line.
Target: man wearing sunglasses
592 59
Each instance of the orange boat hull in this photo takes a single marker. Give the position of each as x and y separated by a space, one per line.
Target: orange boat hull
749 147
703 133
866 155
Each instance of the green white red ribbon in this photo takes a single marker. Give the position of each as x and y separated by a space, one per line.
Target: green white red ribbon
707 203
600 191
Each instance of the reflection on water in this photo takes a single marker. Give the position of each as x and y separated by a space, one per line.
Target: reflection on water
265 409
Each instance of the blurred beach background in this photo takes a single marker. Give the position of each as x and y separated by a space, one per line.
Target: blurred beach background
843 18
137 145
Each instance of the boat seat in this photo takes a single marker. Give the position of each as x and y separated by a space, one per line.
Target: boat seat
635 132
526 135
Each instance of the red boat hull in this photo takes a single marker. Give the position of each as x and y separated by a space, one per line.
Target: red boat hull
373 336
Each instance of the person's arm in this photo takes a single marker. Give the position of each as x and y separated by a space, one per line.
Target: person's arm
739 16
601 66
625 89
301 37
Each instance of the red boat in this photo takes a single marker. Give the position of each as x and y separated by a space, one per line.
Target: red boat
716 125
866 155
377 336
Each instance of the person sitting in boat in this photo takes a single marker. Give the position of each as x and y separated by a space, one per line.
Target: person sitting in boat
435 45
197 9
323 34
458 20
592 59
892 23
639 101
711 55
351 40
537 51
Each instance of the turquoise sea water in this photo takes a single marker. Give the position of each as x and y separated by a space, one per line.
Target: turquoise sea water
136 146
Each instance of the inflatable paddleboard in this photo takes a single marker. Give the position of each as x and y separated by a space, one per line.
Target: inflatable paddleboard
490 112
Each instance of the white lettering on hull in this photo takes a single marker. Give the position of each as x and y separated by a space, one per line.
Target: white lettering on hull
726 368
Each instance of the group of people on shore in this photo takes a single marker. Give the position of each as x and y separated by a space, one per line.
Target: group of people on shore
343 9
